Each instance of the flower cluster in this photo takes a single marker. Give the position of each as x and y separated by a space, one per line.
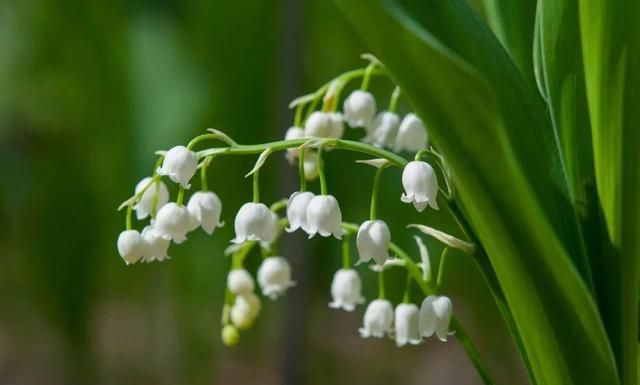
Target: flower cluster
257 225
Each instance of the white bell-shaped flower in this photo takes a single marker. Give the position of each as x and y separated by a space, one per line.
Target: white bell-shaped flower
310 165
274 277
420 185
240 282
274 230
204 209
407 324
435 316
378 319
157 194
324 217
172 222
291 134
254 222
346 290
180 165
324 125
130 246
373 241
297 210
157 247
244 311
384 129
359 108
412 134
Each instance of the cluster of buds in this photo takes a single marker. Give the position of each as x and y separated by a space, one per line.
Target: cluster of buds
313 134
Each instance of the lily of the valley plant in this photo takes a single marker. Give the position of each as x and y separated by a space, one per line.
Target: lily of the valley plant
532 148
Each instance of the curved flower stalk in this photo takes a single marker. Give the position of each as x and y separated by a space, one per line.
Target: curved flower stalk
312 134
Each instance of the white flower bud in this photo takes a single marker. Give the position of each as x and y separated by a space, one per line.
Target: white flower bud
156 246
172 222
412 134
383 130
324 217
244 311
407 324
378 319
435 316
373 241
291 134
420 185
204 210
324 125
254 222
297 210
157 191
274 277
180 165
346 290
240 282
130 246
310 165
359 108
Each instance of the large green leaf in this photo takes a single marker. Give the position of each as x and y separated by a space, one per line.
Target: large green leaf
512 21
562 72
611 47
534 142
452 78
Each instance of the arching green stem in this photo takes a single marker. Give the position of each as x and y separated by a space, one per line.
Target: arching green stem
393 102
180 197
256 186
374 193
441 264
301 173
367 76
406 298
381 289
321 175
346 251
128 224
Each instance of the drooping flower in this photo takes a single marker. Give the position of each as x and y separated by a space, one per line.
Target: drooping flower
179 165
378 319
407 328
274 277
324 125
130 246
291 134
204 209
384 129
244 311
346 290
435 316
420 185
412 134
172 222
156 193
254 222
274 230
156 247
324 217
359 108
240 282
297 210
373 241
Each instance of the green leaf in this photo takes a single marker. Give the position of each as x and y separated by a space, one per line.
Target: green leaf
562 72
513 24
611 48
488 123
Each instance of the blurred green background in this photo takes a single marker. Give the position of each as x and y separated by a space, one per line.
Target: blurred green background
88 91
